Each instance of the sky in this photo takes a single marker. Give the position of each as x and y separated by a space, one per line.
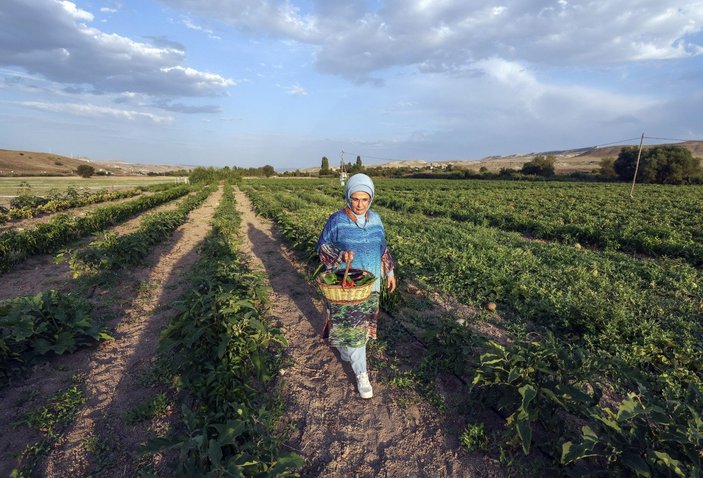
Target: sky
247 83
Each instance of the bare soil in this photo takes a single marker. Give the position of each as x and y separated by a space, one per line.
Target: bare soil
394 434
117 376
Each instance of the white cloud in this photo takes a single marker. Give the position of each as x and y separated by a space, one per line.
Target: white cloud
297 90
75 12
193 26
61 48
199 79
279 18
449 35
88 110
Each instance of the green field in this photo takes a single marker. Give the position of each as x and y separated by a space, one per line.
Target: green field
601 296
40 186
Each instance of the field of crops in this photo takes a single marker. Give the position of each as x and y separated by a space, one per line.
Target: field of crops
217 359
597 369
602 297
11 187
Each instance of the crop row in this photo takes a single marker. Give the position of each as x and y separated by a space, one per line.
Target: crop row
227 358
112 251
639 319
67 200
658 221
53 322
17 244
647 312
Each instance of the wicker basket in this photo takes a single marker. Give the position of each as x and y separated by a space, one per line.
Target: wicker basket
345 295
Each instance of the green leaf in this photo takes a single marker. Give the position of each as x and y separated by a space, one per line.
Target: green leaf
609 423
214 452
669 462
636 463
528 393
222 347
228 432
571 452
22 329
258 325
287 462
41 346
629 408
105 335
588 432
524 431
552 396
65 342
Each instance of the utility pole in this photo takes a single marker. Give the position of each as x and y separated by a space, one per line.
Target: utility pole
637 167
342 171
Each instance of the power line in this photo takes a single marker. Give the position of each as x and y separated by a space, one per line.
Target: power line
668 139
620 141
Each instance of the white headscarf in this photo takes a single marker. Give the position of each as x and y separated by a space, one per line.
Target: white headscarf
359 183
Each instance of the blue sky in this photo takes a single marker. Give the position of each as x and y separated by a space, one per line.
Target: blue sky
248 83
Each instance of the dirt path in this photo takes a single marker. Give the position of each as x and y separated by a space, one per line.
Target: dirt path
117 376
338 433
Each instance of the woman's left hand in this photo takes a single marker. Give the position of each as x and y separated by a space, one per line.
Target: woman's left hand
391 283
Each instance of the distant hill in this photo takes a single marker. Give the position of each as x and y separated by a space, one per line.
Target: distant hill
567 161
30 163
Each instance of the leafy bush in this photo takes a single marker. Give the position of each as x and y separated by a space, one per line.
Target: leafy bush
540 166
474 437
49 322
665 164
85 170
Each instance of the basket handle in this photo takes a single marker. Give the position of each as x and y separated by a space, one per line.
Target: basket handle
346 273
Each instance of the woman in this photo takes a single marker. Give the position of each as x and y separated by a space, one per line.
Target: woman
356 235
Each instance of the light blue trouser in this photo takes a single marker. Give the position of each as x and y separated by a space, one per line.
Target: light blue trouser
356 356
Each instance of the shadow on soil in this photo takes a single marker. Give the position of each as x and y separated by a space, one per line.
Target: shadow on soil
281 271
117 379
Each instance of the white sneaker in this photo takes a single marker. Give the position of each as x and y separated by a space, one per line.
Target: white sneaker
364 386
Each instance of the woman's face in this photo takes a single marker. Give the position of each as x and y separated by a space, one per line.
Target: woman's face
359 202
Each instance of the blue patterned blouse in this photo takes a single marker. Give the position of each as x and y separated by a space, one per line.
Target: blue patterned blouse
367 238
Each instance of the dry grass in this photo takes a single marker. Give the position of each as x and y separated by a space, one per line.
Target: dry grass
30 163
21 163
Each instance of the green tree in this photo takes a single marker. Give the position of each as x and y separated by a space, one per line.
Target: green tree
268 171
325 166
358 164
85 170
607 167
202 175
663 164
540 165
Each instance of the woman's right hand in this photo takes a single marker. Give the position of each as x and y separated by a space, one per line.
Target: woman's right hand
347 256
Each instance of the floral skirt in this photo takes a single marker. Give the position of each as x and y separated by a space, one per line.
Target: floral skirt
351 325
